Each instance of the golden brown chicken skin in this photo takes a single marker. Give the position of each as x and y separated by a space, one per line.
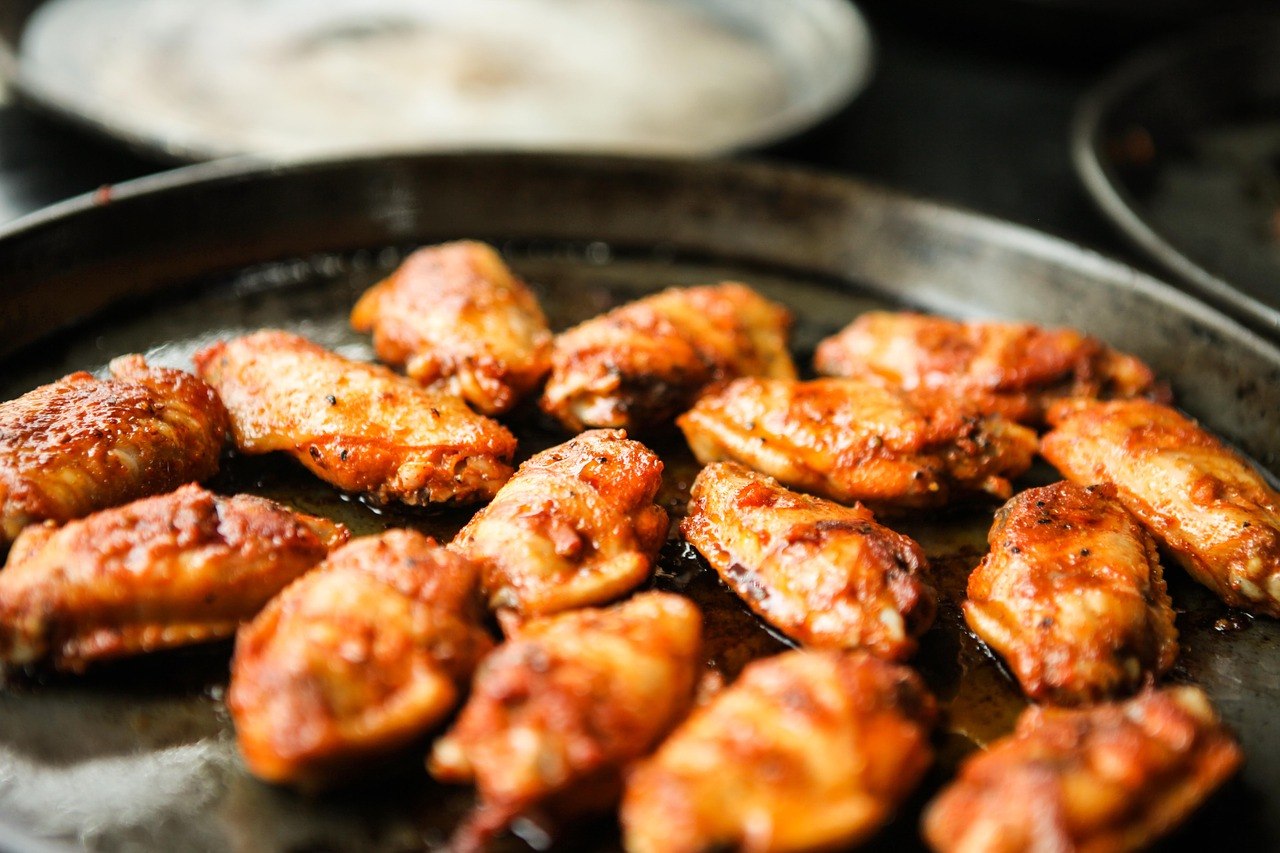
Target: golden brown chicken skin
1105 779
357 426
160 572
855 440
356 659
575 526
459 322
640 365
82 444
1204 502
1009 369
824 574
559 711
806 751
1072 596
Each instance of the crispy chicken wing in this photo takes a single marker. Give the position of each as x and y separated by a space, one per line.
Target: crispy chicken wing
357 426
459 322
805 751
640 365
575 526
1009 369
824 574
1211 509
558 712
357 658
855 440
83 444
159 572
1105 779
1072 596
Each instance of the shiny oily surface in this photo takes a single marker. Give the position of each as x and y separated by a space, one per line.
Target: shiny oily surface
140 754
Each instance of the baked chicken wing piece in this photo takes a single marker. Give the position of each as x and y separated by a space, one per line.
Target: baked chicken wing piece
459 322
357 426
1009 369
82 444
1072 597
575 526
557 713
1211 509
1105 779
856 440
824 574
806 751
642 364
356 659
160 572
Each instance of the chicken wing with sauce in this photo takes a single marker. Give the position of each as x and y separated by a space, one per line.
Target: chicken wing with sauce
1211 509
1106 779
82 444
160 572
824 574
805 751
459 322
356 659
357 426
640 365
1072 596
855 440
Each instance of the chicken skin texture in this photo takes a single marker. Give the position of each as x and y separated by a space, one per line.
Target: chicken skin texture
855 440
356 659
1204 502
357 426
82 444
160 572
1105 779
1071 595
640 365
807 750
575 526
1010 369
558 712
824 574
460 323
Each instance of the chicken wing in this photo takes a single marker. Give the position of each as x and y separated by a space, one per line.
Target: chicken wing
575 526
805 751
1208 506
459 322
1105 779
357 426
82 444
160 572
854 440
640 365
1010 369
356 659
1072 596
558 712
824 574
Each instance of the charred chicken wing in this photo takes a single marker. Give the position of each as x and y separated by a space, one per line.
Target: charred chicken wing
824 574
357 426
805 751
1072 596
640 365
459 322
357 658
160 572
83 444
1209 507
1105 779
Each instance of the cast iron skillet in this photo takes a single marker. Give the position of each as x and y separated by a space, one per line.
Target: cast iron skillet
140 755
